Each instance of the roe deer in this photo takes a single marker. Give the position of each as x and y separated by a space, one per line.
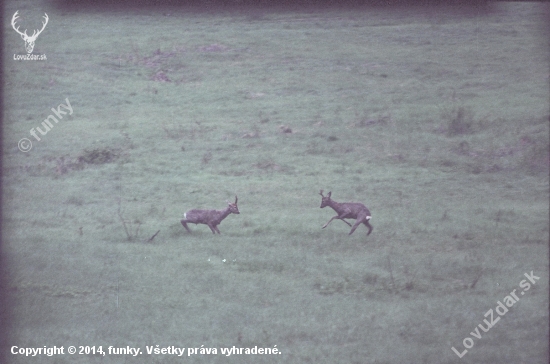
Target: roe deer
347 210
212 218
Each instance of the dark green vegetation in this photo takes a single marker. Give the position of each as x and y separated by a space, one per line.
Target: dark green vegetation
437 121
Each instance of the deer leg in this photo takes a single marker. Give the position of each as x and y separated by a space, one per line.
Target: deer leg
357 223
217 230
346 222
184 223
366 222
344 216
212 228
334 217
361 219
341 217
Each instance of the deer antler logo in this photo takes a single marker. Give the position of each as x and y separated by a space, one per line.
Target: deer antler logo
29 41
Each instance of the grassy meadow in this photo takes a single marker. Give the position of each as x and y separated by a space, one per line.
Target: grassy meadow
436 118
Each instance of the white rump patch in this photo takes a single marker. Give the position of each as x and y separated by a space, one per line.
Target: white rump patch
185 216
367 218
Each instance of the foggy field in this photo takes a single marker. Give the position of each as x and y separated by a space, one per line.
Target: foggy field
437 119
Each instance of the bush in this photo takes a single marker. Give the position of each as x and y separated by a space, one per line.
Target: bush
98 156
459 121
536 159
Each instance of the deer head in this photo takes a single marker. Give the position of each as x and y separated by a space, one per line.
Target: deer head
326 199
29 41
233 206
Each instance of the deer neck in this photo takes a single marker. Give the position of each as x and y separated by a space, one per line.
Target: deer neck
224 213
335 205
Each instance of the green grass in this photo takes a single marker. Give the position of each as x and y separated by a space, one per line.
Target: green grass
437 121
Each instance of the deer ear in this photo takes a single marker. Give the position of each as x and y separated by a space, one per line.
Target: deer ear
329 193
